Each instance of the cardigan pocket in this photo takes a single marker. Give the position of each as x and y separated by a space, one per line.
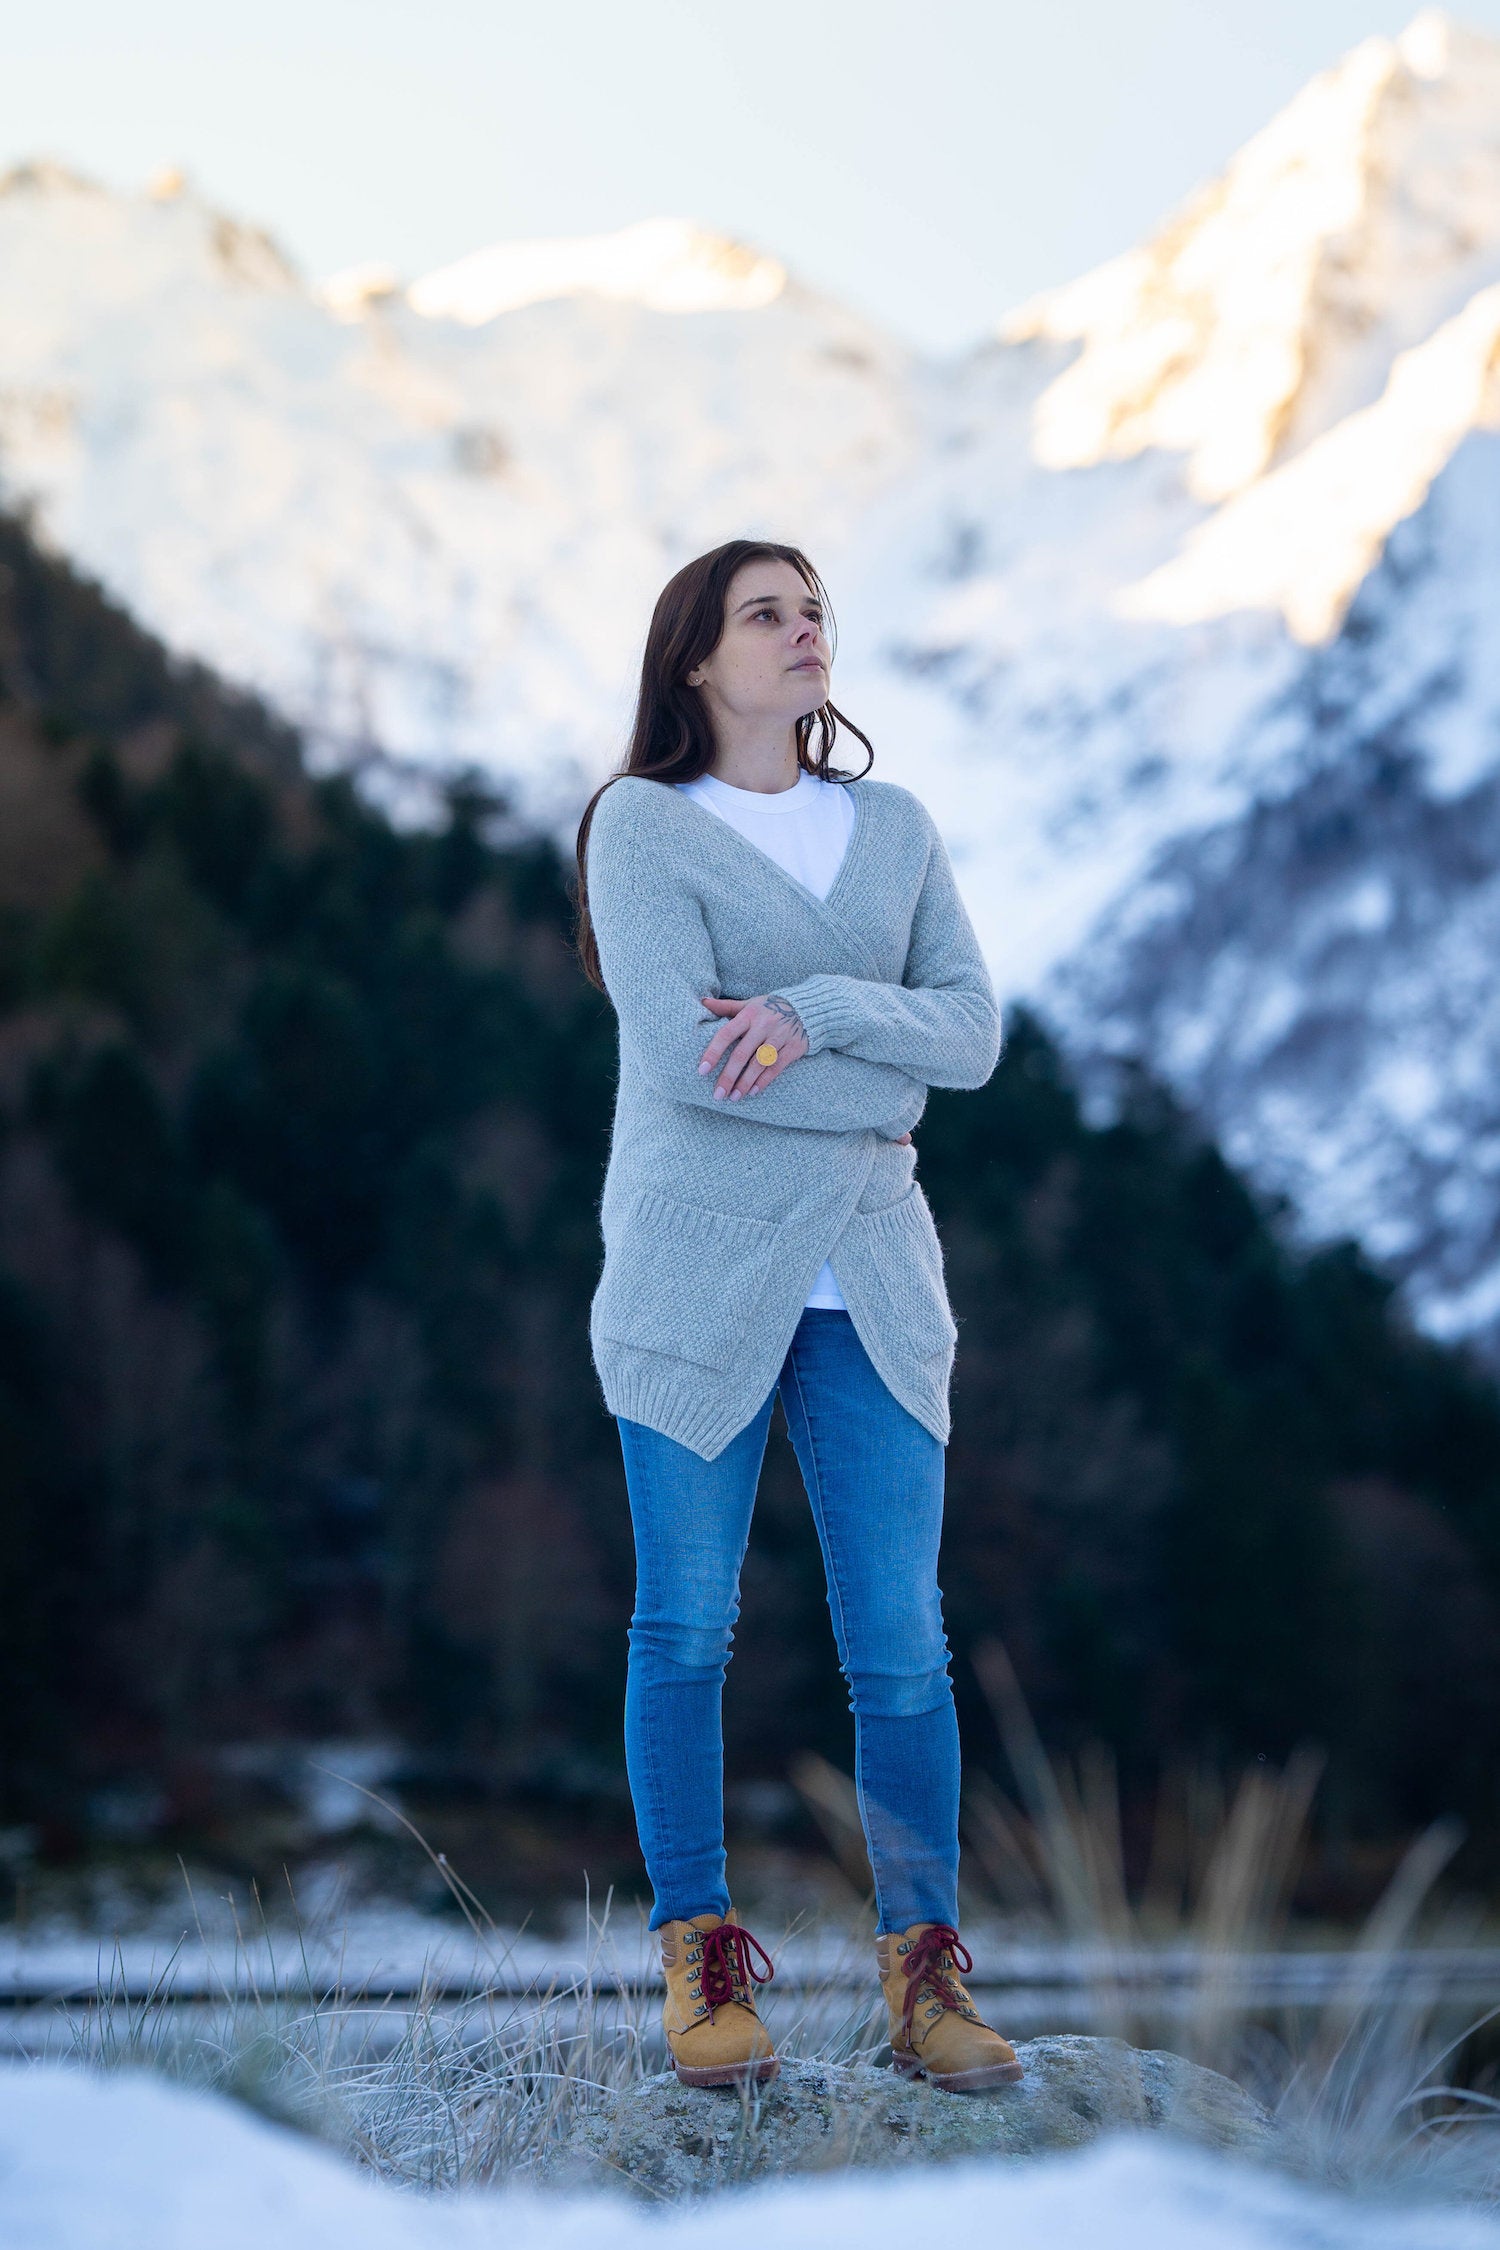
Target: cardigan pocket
681 1279
899 1244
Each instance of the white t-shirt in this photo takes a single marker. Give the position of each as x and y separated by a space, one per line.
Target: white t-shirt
806 830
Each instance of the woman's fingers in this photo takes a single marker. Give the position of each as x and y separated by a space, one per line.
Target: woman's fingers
731 1051
719 1055
788 1051
733 1045
754 1076
740 1066
726 1034
757 1076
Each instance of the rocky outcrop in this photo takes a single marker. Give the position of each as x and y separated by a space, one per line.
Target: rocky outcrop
663 2139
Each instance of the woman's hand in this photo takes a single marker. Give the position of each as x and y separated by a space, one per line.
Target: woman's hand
747 1024
750 1024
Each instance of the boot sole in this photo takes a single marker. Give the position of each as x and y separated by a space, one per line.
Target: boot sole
758 2073
960 2081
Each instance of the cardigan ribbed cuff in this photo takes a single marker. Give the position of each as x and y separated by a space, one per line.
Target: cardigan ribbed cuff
824 1013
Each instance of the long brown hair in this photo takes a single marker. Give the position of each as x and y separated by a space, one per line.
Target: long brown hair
672 739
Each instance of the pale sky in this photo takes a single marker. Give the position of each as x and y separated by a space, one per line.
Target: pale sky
932 162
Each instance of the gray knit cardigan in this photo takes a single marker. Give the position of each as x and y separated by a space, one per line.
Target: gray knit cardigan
717 1215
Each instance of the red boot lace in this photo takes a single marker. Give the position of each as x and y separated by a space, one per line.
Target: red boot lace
931 1961
728 1970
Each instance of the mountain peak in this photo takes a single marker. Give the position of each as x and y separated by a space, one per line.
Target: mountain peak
1271 305
44 176
668 265
1303 538
76 239
1426 45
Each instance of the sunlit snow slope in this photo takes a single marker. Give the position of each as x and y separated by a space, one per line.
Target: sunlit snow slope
1189 634
428 531
1177 601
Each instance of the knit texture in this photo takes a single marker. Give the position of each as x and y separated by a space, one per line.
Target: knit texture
716 1215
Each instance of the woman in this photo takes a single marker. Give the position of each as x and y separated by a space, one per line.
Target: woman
792 968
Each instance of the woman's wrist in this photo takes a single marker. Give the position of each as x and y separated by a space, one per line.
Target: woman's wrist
779 1005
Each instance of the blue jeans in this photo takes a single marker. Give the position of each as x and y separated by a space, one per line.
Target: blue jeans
874 1477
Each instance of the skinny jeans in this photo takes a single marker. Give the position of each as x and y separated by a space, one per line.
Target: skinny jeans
874 1479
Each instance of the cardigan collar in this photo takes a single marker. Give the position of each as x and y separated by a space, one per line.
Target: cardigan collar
830 909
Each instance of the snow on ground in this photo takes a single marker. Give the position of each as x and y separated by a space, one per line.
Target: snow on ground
131 2163
200 1944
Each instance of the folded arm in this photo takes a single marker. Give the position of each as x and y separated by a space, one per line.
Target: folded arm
941 1023
658 964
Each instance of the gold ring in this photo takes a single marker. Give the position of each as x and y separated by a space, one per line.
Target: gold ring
765 1054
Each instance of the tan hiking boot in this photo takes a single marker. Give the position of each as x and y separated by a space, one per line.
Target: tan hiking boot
935 2030
714 2034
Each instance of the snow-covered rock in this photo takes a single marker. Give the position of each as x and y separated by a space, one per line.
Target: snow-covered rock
668 2139
1175 601
131 2163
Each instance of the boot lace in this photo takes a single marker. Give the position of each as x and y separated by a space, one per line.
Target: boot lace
728 1970
931 1966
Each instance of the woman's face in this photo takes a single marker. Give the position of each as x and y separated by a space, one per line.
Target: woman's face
773 660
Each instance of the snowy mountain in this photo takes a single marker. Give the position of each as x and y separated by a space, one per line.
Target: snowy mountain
1171 601
427 523
1191 633
1318 973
